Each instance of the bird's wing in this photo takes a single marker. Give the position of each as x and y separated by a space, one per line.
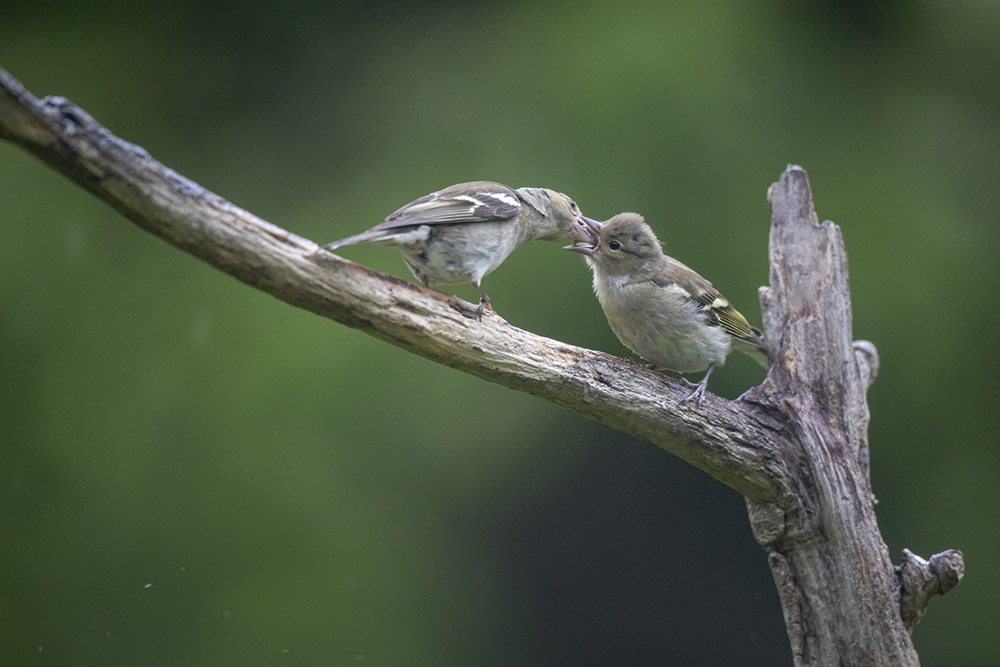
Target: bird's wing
721 313
717 309
479 201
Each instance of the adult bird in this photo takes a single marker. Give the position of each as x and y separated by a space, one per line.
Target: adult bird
462 233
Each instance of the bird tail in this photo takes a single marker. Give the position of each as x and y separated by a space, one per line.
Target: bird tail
370 236
754 347
757 353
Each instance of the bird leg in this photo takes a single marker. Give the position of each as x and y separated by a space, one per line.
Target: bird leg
484 303
698 389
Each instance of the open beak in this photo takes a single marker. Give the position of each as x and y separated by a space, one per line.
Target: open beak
592 225
584 236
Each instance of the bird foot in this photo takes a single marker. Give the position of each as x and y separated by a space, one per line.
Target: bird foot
697 391
484 303
699 388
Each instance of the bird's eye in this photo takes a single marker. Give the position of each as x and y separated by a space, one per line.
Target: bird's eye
615 245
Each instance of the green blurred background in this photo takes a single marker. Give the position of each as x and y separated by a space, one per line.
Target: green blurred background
192 472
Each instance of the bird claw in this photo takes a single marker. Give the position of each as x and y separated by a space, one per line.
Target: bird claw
484 303
697 390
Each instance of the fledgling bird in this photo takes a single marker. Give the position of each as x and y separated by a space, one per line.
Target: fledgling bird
464 232
659 308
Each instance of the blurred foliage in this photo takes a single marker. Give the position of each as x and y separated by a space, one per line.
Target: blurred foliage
194 473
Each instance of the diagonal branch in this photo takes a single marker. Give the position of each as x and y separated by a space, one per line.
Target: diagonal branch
724 438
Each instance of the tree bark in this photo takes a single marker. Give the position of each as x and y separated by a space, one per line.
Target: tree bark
796 446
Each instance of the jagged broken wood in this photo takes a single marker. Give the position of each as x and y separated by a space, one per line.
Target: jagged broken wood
921 579
796 446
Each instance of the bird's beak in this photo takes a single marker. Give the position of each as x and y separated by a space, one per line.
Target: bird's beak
584 236
593 225
582 248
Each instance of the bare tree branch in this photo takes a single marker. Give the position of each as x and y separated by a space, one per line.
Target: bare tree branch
796 447
721 439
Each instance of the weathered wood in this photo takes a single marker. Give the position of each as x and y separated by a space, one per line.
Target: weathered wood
832 570
921 579
796 447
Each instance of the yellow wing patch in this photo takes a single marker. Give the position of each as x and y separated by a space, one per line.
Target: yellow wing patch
721 313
